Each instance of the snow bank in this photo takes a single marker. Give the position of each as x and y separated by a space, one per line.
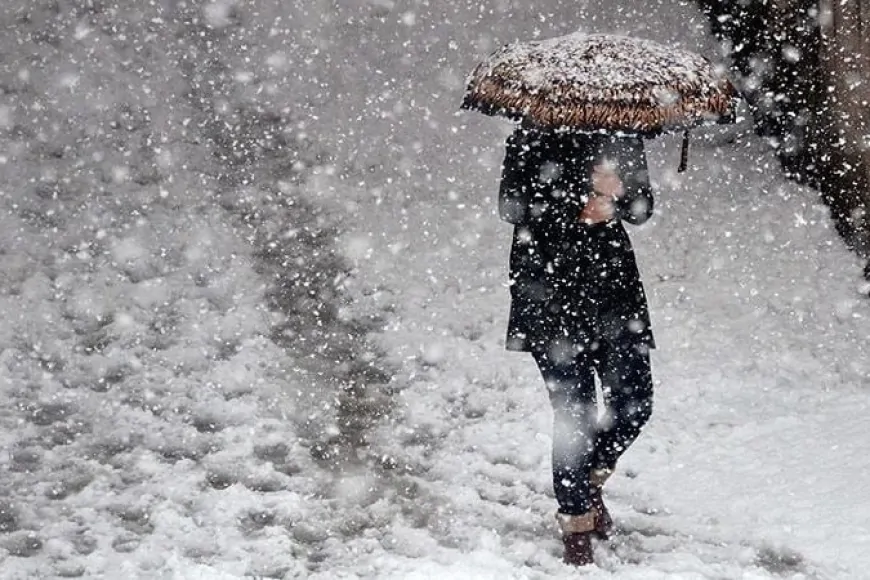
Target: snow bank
168 363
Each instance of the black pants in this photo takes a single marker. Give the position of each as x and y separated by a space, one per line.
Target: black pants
582 443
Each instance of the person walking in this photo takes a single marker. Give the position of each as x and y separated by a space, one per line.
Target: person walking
579 307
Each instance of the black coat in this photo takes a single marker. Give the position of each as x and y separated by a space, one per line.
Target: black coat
572 284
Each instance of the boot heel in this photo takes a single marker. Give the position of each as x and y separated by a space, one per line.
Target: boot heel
577 532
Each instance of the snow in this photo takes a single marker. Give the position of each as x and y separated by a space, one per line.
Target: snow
174 403
603 66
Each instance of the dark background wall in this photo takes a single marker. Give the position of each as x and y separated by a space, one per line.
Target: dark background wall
804 66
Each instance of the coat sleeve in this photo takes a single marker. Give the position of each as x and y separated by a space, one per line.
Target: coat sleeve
514 194
636 206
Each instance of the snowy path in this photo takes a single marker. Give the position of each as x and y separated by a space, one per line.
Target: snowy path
753 464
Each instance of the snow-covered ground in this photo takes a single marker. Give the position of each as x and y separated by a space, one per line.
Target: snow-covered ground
189 390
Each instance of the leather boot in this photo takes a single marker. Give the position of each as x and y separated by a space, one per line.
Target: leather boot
577 532
603 520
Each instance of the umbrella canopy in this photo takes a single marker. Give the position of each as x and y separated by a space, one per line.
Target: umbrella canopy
601 82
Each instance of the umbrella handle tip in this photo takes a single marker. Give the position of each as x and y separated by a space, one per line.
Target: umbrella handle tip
684 153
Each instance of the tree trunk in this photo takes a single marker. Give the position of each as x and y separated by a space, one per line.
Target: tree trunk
845 57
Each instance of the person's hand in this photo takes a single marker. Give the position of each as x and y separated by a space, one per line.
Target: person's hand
606 182
597 210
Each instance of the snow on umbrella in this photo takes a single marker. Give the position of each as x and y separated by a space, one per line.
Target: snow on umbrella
602 82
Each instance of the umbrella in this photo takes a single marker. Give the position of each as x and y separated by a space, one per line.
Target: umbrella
602 82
